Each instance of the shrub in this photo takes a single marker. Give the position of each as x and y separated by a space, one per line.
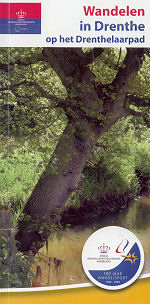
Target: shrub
142 158
14 266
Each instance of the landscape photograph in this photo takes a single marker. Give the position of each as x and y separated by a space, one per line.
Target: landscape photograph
74 157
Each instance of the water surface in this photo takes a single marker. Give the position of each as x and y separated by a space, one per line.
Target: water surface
60 263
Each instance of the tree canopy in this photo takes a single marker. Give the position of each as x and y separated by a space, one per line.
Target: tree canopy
52 89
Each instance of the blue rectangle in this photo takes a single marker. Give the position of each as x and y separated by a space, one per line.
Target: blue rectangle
17 26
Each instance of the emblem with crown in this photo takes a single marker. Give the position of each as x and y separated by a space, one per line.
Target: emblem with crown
21 14
104 248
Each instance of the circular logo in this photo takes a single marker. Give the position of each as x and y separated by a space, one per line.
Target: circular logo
113 257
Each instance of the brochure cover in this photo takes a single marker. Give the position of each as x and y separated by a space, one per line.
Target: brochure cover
74 151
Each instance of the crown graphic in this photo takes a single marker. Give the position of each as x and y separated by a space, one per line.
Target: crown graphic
104 248
21 14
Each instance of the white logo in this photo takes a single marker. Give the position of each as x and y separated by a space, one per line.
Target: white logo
118 261
21 14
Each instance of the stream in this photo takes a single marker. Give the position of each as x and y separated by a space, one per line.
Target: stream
60 263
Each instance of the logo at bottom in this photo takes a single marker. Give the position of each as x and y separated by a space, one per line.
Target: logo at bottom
118 261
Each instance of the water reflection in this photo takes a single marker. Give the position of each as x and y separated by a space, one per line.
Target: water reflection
69 248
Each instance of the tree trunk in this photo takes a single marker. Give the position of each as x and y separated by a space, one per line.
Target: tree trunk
60 178
90 103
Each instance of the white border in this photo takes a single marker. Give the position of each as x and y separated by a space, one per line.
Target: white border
31 289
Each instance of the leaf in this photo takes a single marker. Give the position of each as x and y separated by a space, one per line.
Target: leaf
5 252
3 238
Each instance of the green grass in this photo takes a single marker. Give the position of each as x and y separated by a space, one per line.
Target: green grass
18 175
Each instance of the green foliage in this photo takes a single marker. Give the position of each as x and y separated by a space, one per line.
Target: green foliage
112 167
141 84
30 110
19 172
142 158
14 266
106 67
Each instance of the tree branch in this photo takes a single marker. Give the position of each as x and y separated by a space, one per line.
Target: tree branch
26 62
101 146
130 66
70 64
40 89
147 52
138 101
15 85
89 57
67 64
145 116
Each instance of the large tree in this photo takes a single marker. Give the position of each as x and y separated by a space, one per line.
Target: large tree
91 106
